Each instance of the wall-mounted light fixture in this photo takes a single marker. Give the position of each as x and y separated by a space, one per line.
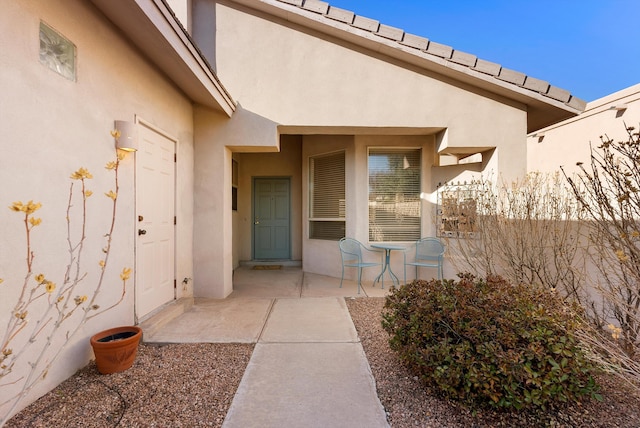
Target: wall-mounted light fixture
618 107
128 139
540 136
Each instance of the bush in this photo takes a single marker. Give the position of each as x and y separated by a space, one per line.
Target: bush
488 342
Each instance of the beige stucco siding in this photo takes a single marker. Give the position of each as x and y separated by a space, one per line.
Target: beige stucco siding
53 126
293 76
291 80
569 141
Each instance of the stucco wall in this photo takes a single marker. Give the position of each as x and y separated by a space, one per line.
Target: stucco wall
53 126
293 76
287 77
324 256
568 142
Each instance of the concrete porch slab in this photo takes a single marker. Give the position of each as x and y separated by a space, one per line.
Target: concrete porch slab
284 282
216 321
315 285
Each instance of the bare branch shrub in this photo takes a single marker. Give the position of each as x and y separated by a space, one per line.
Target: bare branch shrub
607 190
528 231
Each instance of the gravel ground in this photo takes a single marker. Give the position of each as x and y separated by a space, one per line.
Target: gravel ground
410 404
193 385
168 386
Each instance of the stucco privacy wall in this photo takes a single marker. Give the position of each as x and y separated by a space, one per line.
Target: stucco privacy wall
569 141
283 75
53 126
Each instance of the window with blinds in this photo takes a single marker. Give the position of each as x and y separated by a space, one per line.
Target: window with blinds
327 196
394 194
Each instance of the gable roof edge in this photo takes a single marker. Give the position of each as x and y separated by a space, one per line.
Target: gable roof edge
549 104
152 26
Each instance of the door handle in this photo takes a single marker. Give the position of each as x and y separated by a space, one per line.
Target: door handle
142 232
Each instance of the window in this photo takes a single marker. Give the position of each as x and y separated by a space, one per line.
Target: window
234 185
327 196
394 194
57 53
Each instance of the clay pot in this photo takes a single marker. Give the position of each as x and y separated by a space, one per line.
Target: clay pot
115 349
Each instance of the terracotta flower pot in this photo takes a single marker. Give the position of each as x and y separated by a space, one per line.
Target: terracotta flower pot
115 349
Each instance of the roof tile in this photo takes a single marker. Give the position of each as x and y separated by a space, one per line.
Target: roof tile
293 2
425 45
341 15
316 6
390 32
577 103
464 58
536 85
512 76
487 67
437 49
366 23
558 94
414 41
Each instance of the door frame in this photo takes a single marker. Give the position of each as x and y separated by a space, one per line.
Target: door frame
142 122
253 213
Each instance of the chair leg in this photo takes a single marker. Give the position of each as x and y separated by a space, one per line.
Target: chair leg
342 278
359 278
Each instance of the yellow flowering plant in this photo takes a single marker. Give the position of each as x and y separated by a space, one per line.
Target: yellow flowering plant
45 309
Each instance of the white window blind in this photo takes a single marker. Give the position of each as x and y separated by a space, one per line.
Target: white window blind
394 194
327 196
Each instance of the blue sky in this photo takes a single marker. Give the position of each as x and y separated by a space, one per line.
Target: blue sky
589 47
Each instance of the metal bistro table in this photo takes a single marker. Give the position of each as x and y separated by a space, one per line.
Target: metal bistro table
388 248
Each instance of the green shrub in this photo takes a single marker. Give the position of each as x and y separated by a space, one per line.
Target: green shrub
488 342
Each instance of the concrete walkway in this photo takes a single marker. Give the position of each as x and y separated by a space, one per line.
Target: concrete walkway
308 368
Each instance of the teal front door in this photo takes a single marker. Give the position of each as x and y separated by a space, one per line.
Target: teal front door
271 207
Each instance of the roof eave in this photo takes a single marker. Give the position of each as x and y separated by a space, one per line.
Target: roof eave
545 103
151 26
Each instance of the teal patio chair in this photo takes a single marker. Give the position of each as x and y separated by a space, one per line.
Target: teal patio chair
351 253
429 253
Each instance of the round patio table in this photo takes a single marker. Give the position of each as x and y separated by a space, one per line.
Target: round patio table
386 267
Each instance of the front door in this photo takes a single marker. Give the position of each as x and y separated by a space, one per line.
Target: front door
155 209
271 202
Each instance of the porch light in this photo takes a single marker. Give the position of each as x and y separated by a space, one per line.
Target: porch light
618 107
128 140
540 136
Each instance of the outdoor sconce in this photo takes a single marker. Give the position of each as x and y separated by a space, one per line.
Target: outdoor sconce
618 107
540 136
128 140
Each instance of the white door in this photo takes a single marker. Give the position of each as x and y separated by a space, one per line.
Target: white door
155 209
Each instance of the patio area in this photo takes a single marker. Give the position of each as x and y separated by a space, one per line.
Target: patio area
241 317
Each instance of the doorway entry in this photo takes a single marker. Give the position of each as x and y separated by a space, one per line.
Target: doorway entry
155 220
271 223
